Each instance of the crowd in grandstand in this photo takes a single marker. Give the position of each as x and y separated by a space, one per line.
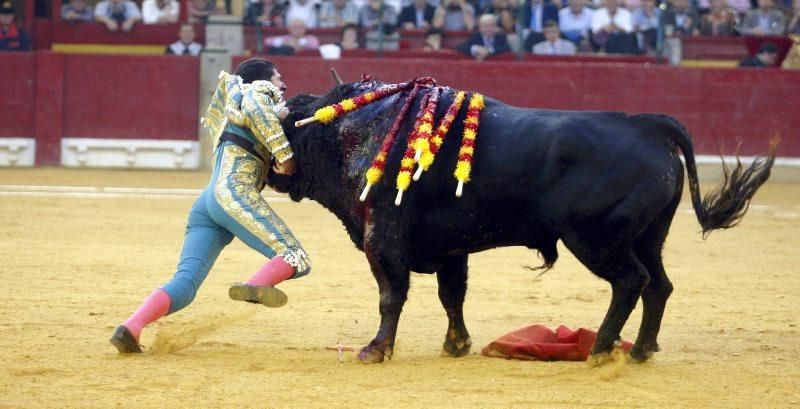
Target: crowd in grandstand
555 27
548 26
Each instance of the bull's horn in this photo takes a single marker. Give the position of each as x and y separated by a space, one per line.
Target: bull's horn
399 198
336 76
460 188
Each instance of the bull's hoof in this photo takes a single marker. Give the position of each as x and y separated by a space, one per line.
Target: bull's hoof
598 359
374 354
643 353
616 354
456 349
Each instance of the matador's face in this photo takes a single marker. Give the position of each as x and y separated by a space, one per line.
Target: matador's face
277 80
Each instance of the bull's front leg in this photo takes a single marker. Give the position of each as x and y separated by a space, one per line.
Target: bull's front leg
452 279
393 281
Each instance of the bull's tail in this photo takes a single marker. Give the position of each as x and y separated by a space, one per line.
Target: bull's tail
725 205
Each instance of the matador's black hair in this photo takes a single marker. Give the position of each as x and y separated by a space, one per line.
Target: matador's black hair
255 69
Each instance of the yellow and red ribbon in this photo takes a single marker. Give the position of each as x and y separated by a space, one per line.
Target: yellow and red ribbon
436 141
375 171
465 154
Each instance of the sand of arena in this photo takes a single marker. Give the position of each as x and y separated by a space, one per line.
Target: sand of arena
73 267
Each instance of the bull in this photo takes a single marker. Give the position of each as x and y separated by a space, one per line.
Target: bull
606 184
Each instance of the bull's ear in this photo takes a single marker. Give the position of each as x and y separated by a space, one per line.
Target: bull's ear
291 118
300 102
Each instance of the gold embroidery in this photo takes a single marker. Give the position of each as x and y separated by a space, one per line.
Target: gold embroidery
236 179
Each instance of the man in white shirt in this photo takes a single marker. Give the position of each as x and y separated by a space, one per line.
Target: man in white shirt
305 10
553 43
160 11
612 29
575 21
612 19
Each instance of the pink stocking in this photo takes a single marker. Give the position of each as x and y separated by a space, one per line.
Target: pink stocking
155 306
272 272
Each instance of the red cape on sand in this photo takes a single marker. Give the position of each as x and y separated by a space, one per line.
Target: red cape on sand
539 343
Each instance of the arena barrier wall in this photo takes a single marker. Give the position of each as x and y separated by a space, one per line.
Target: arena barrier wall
99 110
717 105
142 111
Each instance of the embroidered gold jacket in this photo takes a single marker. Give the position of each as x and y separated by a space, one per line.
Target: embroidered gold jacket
252 106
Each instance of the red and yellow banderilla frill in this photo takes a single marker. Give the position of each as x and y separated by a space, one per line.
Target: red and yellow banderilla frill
329 113
418 141
436 141
471 124
375 171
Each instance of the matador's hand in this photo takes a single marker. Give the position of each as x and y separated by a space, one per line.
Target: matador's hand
286 168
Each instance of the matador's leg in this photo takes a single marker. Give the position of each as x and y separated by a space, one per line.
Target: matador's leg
239 207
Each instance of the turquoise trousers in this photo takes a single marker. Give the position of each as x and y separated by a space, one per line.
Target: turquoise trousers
231 206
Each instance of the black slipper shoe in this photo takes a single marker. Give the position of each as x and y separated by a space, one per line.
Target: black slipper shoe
124 341
258 294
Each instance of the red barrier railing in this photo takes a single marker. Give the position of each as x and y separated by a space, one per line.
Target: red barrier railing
716 105
97 96
156 97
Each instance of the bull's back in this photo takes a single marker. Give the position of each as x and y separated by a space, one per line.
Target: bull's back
537 173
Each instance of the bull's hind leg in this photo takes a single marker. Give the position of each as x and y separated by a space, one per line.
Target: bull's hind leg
654 296
393 282
452 279
627 276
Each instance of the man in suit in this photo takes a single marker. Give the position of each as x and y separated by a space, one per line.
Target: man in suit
535 14
766 20
553 43
487 41
186 45
416 15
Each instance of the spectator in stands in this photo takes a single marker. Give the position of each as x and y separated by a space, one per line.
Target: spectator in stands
305 10
186 44
76 10
454 15
369 15
199 10
612 29
349 40
117 14
433 40
645 24
680 18
740 7
766 20
553 43
505 13
487 41
12 37
251 10
575 21
337 13
793 27
160 11
419 14
268 13
536 13
719 21
766 56
297 40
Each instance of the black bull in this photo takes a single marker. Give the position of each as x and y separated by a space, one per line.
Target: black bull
606 184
